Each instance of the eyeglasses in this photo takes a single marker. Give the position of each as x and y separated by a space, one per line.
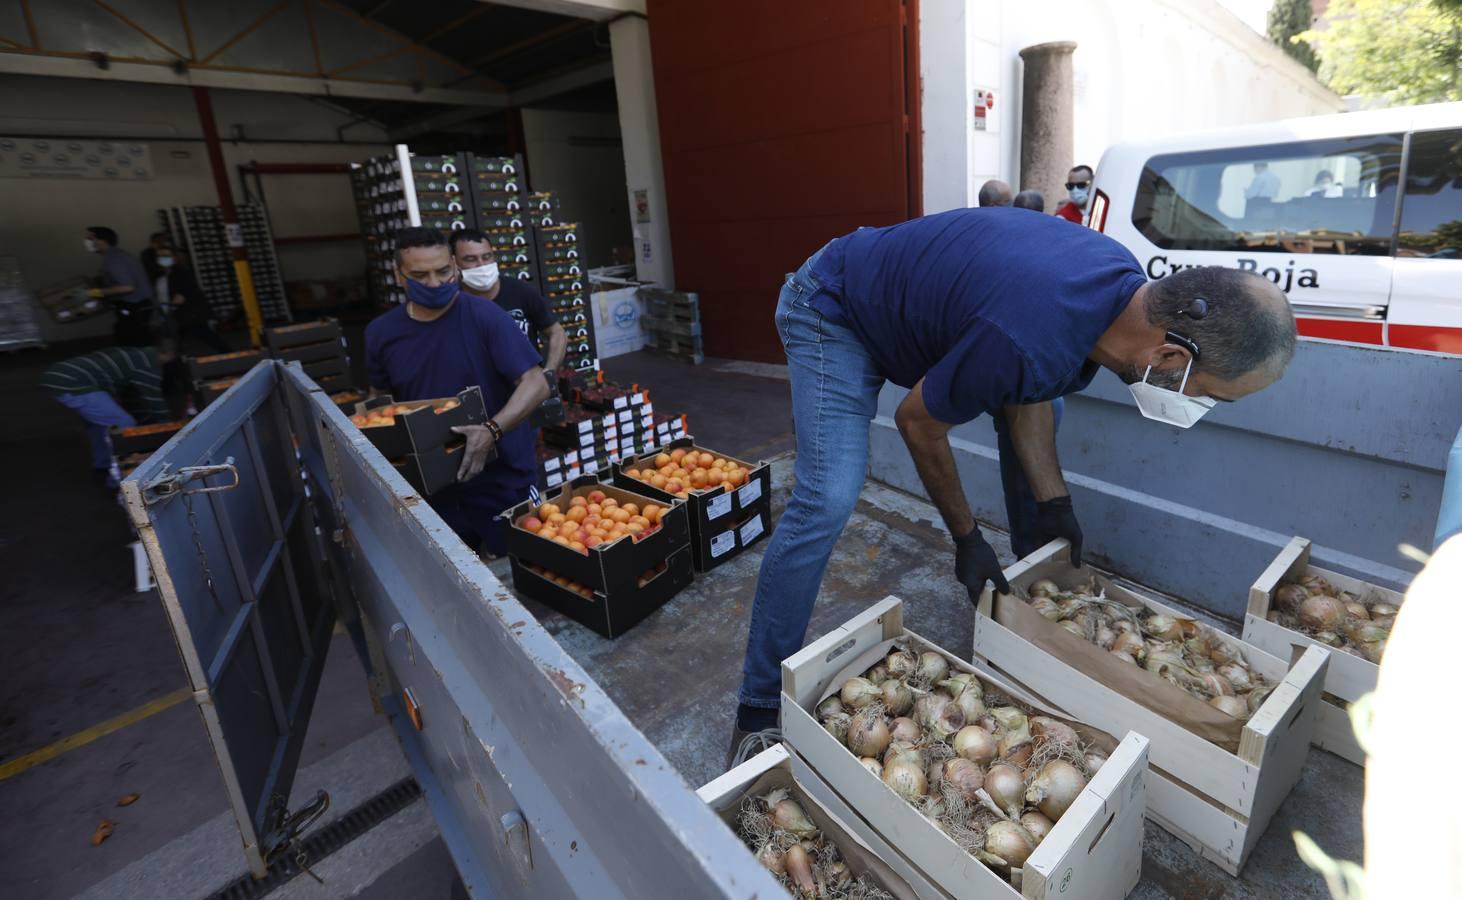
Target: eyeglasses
1073 185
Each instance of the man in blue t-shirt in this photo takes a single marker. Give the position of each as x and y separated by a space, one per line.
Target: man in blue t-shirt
979 311
440 341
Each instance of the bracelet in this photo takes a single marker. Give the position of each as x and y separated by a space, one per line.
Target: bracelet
496 429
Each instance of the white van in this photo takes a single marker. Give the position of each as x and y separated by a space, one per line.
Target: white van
1313 205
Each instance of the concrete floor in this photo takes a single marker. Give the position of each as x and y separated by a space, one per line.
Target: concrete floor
77 647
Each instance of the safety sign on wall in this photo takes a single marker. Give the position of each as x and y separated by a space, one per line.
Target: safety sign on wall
65 158
984 102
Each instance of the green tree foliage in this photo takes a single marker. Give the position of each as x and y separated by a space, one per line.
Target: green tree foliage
1408 51
1288 18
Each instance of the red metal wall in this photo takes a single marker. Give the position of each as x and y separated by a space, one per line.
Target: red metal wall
783 124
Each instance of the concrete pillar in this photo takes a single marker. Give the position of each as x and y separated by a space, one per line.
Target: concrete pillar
1047 119
639 126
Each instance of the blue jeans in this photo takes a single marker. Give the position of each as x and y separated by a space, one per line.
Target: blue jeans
835 388
100 412
1020 502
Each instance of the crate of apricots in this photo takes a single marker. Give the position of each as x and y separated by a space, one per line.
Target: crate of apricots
600 554
399 428
728 501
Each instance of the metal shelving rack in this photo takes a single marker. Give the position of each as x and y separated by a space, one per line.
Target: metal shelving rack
199 231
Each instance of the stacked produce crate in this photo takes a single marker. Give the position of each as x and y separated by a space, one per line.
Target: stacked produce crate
440 185
566 287
199 231
18 326
320 348
211 376
672 321
380 202
541 207
417 436
497 197
263 263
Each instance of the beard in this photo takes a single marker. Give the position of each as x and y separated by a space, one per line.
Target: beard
1168 379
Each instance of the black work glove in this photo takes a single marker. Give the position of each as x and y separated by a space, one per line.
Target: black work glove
975 563
1056 519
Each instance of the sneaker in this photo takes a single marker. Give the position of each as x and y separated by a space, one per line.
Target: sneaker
746 744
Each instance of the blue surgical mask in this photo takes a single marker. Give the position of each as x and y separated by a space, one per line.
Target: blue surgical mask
1078 196
431 297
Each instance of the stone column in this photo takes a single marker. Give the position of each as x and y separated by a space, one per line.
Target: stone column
639 127
1047 120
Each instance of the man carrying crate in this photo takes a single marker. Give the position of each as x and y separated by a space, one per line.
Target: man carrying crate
434 345
979 311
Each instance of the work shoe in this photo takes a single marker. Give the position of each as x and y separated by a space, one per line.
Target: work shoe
746 744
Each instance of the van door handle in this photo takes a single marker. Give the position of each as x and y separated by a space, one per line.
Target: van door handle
1338 312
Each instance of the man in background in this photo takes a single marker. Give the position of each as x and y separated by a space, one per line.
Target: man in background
440 341
1265 185
125 284
182 298
1078 192
475 259
116 386
1028 199
994 193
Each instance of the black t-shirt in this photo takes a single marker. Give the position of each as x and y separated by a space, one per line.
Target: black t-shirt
528 308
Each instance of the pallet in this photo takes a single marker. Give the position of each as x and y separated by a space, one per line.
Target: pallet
1216 801
1350 677
1094 852
677 327
688 349
671 304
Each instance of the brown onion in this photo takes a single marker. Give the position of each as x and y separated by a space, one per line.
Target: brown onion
905 729
1373 651
1255 698
901 664
1124 656
1220 651
1044 588
933 667
1094 760
964 776
1046 607
1357 610
1163 627
1366 632
949 721
1048 730
1383 609
831 706
901 751
799 869
970 703
1037 824
878 674
773 858
1006 786
873 766
859 692
1055 788
1288 598
1010 842
1322 613
1232 706
867 734
975 744
788 815
1075 628
1238 676
906 779
1128 642
897 698
1327 637
1217 685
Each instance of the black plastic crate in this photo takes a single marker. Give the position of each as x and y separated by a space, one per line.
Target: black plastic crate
286 337
416 426
212 368
615 612
143 438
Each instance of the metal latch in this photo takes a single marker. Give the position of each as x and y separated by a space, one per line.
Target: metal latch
286 827
169 483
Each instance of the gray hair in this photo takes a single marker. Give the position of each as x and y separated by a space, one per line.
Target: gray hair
994 193
1248 325
1030 199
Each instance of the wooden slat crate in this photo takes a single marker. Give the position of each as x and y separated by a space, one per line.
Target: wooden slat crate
1218 802
1349 677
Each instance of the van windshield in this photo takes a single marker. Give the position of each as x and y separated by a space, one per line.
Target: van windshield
1326 196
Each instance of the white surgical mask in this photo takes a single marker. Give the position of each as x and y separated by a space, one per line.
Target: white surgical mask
481 278
1167 405
90 245
1078 196
165 261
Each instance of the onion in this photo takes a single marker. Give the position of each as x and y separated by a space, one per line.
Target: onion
963 683
1124 656
773 858
1322 613
975 744
1314 584
905 752
840 876
1238 676
1217 685
1373 651
1289 597
906 730
1010 842
1366 632
1357 610
1220 651
970 704
1163 627
1130 643
1006 786
900 664
837 726
1017 753
1327 637
859 692
949 721
829 707
928 707
1383 609
1055 788
1010 718
897 698
1075 628
878 674
1046 607
1094 760
1048 730
933 667
799 869
1255 698
1232 706
867 734
788 815
1383 621
873 766
1037 824
988 723
906 779
964 776
1044 588
1105 637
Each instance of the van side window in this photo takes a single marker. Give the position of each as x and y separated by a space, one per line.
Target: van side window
1431 211
1336 195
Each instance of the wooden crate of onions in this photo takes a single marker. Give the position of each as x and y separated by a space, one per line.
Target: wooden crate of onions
980 786
1230 724
1295 604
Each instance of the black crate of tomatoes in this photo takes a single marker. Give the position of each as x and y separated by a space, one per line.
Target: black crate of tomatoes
601 555
728 500
417 436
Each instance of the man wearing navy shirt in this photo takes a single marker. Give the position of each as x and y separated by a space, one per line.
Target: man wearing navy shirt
979 311
440 341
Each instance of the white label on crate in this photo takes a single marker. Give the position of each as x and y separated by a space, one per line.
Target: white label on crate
550 464
571 457
749 494
723 543
590 468
627 429
644 410
662 428
554 479
621 402
718 507
608 420
613 457
627 415
751 531
586 440
586 425
638 398
647 423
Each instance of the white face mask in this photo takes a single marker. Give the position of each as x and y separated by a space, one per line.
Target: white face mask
165 261
1078 196
482 278
1167 405
90 245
